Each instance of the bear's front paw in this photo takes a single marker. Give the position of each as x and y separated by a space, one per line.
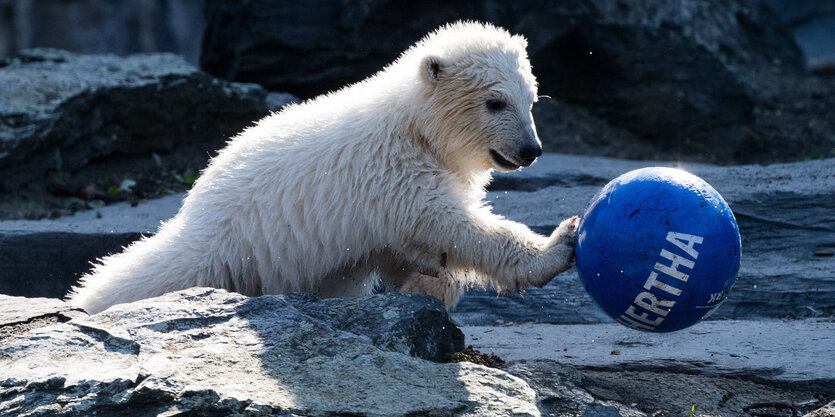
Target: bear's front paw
559 253
564 233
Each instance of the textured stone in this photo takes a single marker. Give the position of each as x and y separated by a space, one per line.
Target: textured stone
18 310
787 353
103 26
209 352
825 411
60 110
259 42
718 81
44 258
563 390
812 23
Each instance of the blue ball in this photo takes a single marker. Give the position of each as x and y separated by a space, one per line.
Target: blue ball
658 249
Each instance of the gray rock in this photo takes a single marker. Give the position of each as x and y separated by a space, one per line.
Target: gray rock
825 411
61 110
570 129
262 42
209 352
812 23
103 26
781 353
415 324
599 410
651 376
18 310
671 393
559 390
718 81
563 390
44 258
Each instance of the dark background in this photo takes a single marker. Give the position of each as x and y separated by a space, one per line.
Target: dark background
739 81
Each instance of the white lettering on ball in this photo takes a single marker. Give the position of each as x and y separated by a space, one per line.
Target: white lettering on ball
648 311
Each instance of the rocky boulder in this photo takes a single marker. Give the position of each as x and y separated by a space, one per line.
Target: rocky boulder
62 110
826 411
714 80
209 352
263 42
812 23
104 26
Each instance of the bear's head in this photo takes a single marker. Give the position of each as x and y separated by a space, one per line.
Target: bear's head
479 91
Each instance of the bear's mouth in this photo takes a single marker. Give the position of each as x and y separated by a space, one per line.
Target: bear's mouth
502 161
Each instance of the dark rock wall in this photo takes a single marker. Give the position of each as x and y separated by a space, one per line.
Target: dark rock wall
713 81
31 268
717 81
309 50
103 26
812 24
60 110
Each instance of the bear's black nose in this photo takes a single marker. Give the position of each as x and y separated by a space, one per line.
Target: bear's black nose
529 154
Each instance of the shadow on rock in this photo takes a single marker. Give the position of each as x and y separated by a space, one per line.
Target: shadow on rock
210 352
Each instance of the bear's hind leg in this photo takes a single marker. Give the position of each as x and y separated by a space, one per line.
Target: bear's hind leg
408 281
350 283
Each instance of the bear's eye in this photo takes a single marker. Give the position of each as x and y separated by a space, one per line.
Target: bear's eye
496 104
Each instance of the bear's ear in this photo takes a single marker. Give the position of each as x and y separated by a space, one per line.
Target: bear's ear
433 68
521 41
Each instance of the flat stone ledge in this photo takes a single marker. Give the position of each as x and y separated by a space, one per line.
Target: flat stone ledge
797 352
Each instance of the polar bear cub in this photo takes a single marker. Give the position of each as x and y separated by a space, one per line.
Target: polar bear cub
383 180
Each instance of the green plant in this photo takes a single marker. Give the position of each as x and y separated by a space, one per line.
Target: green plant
126 186
157 159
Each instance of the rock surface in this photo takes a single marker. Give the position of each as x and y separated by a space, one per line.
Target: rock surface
43 258
776 352
718 367
103 26
19 310
260 42
711 81
826 411
209 352
812 24
567 391
61 110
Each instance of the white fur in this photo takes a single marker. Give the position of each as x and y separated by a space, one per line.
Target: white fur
383 179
